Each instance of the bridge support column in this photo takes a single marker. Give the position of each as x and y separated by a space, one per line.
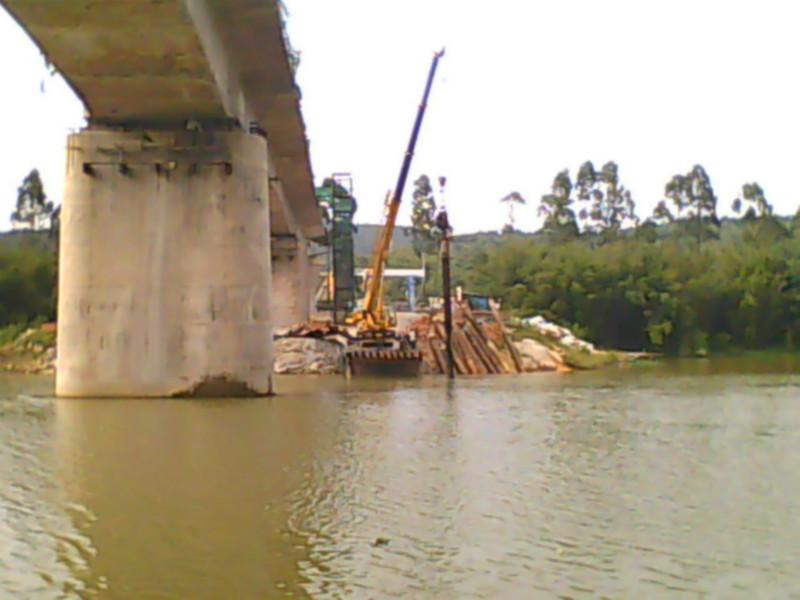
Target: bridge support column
292 284
165 275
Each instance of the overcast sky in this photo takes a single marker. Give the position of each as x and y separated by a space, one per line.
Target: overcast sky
527 88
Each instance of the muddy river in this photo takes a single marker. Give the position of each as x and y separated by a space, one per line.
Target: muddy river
678 479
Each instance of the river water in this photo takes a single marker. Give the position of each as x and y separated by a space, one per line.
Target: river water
674 480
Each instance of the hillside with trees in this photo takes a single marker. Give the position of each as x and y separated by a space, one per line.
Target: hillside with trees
682 281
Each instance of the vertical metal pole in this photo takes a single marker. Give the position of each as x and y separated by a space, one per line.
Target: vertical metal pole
412 293
331 291
448 304
335 259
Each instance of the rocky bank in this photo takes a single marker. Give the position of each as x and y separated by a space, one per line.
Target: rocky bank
542 346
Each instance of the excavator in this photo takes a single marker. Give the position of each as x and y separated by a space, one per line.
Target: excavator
378 348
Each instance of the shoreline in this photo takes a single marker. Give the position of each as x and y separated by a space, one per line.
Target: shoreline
33 352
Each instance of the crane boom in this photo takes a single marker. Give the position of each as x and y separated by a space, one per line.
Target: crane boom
373 313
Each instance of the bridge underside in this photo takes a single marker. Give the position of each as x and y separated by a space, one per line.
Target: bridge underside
192 172
167 64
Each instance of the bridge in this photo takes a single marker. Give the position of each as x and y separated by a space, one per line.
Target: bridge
189 199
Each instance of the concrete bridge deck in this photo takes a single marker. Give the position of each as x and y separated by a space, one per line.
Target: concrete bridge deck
144 64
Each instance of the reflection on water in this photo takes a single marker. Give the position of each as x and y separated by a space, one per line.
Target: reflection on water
674 480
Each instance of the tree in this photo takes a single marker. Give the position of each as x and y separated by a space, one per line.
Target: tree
662 215
753 197
423 217
608 205
33 210
512 200
556 208
695 203
758 214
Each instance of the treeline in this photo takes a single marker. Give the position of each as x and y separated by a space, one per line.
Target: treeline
666 295
681 281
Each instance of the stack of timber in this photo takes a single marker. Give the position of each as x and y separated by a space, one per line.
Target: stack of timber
480 346
312 329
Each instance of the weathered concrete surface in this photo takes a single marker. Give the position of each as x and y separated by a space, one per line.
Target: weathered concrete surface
165 271
292 282
159 64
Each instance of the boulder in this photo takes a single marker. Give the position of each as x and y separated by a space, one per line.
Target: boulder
308 356
561 335
528 364
539 356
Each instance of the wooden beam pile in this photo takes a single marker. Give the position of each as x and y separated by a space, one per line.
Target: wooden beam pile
480 347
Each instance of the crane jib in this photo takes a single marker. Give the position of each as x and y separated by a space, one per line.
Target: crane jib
373 312
402 179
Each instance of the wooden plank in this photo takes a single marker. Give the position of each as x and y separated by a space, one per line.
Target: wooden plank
475 345
467 310
505 359
465 354
439 357
491 350
432 360
514 352
512 349
481 345
483 340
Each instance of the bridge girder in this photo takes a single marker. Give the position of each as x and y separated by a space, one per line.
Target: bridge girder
138 63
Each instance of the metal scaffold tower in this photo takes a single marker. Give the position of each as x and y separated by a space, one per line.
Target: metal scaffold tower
339 292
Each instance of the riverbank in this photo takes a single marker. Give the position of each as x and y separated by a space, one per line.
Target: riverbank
542 347
530 346
31 351
574 352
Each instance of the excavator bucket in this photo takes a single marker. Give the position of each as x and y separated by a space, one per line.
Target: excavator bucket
383 363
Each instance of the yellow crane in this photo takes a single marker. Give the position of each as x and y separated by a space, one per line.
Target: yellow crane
373 316
378 341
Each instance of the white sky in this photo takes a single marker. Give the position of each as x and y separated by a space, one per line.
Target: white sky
527 88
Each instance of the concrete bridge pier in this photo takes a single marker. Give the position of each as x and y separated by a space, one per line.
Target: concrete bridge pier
292 281
166 276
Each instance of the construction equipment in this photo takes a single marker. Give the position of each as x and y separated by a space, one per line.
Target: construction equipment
338 292
379 349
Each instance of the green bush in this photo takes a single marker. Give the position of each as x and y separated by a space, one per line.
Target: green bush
27 279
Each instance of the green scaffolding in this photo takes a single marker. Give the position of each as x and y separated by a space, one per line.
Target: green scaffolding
336 197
